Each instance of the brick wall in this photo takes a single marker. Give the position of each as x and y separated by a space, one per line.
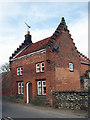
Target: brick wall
59 63
6 85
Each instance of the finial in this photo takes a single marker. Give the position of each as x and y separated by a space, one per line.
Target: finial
27 26
63 20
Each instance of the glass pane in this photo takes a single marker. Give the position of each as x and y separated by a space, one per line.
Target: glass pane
42 64
44 90
37 64
44 83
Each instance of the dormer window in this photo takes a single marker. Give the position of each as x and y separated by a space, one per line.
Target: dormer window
71 67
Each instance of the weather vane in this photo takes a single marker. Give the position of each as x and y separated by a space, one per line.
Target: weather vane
27 26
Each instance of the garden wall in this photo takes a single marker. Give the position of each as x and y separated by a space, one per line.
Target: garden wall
70 100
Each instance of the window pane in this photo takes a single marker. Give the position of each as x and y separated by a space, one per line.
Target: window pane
42 63
71 66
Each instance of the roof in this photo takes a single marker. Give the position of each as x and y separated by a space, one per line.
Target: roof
35 47
48 41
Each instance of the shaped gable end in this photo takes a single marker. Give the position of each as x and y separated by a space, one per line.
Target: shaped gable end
27 42
63 58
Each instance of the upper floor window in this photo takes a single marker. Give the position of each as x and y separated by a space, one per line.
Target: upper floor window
71 67
40 67
19 71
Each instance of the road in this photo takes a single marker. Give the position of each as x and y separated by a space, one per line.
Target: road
16 110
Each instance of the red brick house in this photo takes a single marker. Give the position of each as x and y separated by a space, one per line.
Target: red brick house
52 64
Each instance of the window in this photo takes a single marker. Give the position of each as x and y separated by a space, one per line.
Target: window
70 66
20 87
40 67
19 71
41 90
44 87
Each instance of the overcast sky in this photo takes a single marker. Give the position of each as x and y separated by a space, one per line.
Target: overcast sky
43 18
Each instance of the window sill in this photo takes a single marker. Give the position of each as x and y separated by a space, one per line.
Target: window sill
40 72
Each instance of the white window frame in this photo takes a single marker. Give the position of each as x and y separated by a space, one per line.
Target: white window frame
42 66
43 87
22 87
18 71
39 86
37 67
71 67
19 88
21 70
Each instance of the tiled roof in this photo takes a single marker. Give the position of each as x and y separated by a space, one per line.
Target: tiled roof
35 47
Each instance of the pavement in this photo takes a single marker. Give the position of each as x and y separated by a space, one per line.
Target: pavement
17 110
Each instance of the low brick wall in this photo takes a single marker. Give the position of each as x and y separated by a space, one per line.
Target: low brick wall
70 100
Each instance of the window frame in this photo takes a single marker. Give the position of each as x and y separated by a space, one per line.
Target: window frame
19 87
71 68
22 87
21 70
43 87
39 87
18 71
42 66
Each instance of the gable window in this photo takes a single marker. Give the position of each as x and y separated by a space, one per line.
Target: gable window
41 87
19 71
71 67
40 67
20 87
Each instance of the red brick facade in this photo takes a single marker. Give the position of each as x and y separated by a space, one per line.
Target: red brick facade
56 52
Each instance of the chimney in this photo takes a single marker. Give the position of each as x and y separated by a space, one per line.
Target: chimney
27 38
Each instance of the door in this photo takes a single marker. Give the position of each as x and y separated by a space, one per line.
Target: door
29 92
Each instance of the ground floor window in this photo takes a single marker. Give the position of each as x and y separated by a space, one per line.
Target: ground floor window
20 88
41 87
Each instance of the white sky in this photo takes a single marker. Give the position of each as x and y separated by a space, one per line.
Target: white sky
43 18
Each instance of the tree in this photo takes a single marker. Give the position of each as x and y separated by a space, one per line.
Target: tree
4 69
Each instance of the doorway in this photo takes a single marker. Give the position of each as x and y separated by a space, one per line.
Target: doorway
29 92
